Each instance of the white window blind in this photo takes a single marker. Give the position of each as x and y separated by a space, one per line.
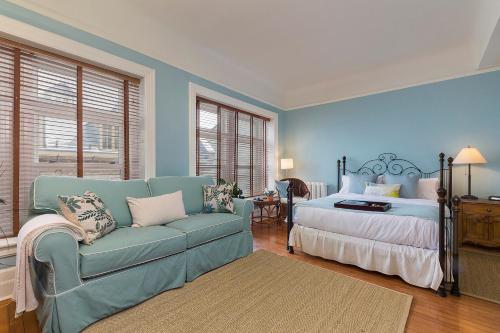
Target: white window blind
232 145
6 142
71 119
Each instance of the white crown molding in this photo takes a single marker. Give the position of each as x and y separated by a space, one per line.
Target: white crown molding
395 88
422 71
29 34
185 56
210 65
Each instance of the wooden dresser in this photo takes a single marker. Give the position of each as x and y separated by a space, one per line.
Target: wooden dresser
480 223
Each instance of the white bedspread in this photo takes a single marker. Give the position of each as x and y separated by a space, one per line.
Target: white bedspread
419 267
402 230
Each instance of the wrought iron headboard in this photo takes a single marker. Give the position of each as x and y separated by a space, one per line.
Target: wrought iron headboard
390 163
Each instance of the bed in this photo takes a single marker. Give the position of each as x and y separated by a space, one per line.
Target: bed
415 239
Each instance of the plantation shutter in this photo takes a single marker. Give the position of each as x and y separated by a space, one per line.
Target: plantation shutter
60 116
232 145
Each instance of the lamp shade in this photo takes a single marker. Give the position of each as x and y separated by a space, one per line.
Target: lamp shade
286 163
469 155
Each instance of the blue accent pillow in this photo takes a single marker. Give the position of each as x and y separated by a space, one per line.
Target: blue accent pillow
281 187
408 183
357 183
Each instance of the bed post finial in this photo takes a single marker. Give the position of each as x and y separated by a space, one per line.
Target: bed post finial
289 217
343 165
455 290
441 192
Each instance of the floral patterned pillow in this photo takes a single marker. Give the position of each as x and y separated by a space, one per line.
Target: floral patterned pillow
217 198
89 212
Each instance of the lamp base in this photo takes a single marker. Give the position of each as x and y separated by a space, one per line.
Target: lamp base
469 197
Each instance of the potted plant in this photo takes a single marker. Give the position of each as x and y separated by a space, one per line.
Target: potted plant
269 194
236 193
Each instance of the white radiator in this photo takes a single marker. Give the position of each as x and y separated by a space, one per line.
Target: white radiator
317 189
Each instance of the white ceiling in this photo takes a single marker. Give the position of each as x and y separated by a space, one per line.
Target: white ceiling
292 53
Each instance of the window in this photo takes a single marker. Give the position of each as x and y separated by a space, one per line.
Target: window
60 116
233 145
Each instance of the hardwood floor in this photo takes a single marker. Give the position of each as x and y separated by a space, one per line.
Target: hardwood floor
24 324
429 312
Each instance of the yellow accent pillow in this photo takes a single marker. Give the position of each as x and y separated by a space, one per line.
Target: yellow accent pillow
383 190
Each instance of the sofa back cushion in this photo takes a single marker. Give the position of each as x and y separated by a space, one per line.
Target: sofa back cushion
113 193
191 187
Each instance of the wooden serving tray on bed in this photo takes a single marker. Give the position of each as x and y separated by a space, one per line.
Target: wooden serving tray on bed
371 206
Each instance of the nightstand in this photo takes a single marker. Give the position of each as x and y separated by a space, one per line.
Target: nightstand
480 223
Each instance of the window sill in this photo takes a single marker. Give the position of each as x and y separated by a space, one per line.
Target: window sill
8 246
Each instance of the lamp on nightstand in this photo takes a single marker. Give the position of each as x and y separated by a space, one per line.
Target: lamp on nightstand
286 164
469 155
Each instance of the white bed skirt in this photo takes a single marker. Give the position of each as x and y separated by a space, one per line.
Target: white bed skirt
417 266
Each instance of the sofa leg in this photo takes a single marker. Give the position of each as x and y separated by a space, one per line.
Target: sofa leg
290 249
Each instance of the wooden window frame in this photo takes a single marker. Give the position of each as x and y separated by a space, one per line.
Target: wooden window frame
265 121
18 48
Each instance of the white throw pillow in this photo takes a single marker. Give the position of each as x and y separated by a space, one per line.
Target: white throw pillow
427 188
156 210
383 190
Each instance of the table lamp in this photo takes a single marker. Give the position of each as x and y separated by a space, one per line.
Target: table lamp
286 164
469 155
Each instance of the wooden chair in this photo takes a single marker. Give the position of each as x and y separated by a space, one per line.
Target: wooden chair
300 190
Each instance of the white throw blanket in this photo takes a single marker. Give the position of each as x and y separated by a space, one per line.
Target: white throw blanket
23 293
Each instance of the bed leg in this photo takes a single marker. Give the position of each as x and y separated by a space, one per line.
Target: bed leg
442 220
441 290
289 217
455 289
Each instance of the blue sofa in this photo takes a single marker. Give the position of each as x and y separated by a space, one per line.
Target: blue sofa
79 284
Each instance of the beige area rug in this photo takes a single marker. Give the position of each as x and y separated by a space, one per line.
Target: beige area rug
480 273
265 292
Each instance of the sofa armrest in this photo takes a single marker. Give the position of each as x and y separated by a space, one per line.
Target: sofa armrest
58 267
244 209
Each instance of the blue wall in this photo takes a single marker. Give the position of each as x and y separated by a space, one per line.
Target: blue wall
172 90
415 123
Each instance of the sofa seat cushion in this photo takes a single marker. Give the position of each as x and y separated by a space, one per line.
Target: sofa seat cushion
126 247
203 228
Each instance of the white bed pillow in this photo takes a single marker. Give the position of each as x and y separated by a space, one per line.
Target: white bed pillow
427 188
345 185
156 210
356 183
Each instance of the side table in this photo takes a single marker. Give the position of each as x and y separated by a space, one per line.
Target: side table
271 209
